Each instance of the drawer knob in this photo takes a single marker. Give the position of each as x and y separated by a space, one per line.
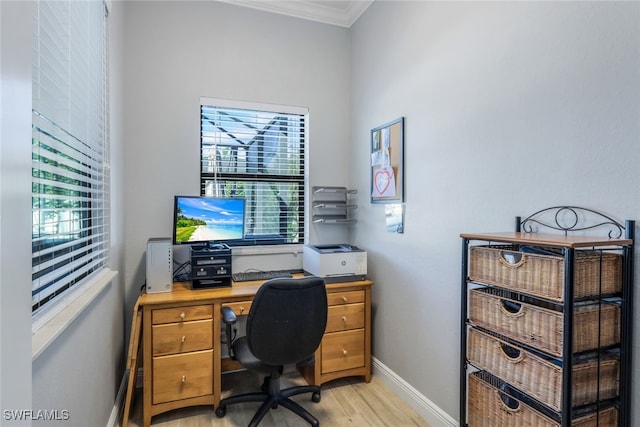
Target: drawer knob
344 352
345 299
182 315
344 319
184 379
241 310
183 339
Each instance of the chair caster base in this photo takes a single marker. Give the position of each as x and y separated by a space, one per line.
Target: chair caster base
221 411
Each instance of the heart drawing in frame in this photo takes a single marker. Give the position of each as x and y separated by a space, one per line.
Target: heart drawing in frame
383 182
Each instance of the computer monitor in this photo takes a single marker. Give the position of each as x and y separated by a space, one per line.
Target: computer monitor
199 219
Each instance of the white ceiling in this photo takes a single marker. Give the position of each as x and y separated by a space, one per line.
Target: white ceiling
335 12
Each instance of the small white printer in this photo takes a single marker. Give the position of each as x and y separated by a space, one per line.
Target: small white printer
335 263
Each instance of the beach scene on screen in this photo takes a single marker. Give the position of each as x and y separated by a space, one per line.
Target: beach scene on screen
206 219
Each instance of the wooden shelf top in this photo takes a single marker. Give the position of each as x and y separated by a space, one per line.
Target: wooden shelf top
554 240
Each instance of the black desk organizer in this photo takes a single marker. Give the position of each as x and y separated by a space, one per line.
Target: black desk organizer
210 266
491 393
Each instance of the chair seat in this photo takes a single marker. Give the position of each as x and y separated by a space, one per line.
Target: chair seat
247 359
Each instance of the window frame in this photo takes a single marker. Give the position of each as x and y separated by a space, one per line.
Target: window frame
301 178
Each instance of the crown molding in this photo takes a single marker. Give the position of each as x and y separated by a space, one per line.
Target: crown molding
334 12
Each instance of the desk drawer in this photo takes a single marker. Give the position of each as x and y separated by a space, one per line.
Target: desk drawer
239 308
182 376
181 314
342 350
171 338
345 317
349 297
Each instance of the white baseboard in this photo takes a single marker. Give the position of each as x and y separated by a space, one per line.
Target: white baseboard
418 402
118 405
115 420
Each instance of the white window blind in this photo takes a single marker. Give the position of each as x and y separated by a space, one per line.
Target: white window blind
257 152
70 192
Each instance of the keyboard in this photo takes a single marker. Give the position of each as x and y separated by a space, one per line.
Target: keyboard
259 275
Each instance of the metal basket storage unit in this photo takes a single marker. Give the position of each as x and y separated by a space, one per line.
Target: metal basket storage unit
546 322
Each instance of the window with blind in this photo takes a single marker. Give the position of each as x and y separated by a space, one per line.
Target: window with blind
70 192
257 152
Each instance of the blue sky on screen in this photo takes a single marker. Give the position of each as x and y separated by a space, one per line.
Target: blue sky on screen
212 210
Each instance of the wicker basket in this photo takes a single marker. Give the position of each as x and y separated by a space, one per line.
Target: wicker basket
543 275
516 317
488 408
541 378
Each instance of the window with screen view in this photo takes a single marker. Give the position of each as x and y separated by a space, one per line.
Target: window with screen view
257 154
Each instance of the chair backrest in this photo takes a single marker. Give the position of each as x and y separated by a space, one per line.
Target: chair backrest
287 320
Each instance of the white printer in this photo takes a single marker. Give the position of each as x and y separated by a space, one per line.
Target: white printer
335 263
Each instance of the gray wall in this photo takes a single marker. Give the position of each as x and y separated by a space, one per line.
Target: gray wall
510 107
177 52
80 372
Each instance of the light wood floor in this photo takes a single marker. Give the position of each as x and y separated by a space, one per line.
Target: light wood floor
345 402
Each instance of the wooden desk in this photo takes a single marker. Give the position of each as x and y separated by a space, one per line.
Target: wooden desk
181 333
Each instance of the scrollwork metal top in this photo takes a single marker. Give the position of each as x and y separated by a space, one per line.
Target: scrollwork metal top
567 219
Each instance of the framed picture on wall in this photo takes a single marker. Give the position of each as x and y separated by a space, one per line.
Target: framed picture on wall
387 162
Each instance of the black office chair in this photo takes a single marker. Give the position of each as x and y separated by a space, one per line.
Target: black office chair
284 326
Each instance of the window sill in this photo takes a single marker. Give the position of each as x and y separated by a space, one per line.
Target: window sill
294 249
48 326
